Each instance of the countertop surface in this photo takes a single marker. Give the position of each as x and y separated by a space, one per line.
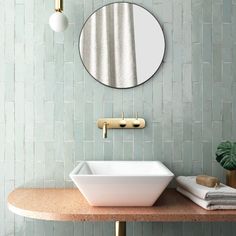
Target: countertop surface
70 205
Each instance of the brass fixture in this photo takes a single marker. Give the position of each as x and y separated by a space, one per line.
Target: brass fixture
104 130
123 122
120 228
59 5
136 122
120 123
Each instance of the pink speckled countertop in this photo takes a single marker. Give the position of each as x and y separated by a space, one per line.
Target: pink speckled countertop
70 205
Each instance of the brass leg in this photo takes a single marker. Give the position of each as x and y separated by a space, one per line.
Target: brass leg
120 228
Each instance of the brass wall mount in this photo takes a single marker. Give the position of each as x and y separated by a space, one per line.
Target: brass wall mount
120 123
59 5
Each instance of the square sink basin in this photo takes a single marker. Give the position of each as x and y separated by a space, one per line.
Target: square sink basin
121 183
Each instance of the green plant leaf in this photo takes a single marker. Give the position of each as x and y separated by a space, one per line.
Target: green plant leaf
226 155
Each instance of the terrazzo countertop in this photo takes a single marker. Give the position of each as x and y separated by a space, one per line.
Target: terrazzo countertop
70 205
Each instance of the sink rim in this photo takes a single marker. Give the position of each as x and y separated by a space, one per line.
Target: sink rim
75 171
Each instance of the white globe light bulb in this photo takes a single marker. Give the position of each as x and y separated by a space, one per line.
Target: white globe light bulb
58 21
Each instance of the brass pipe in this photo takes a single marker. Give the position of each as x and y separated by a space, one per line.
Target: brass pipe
59 5
120 228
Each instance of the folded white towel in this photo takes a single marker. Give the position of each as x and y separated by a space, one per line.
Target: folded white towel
219 204
222 191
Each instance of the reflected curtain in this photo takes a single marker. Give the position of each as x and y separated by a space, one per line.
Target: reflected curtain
107 45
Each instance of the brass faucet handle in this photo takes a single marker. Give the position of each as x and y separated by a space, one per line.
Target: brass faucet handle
136 122
123 121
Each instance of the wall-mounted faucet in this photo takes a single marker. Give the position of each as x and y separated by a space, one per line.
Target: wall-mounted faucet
120 123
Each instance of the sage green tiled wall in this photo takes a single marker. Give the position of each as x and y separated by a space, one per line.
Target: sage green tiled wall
49 105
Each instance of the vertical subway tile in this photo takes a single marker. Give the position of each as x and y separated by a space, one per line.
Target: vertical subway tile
172 229
117 103
217 134
197 102
29 227
187 157
68 45
59 61
187 83
227 10
207 43
197 21
192 228
196 61
19 26
207 81
227 46
168 153
49 53
88 150
9 79
177 102
157 100
9 46
69 153
168 37
207 121
68 82
187 122
9 115
148 151
178 139
177 20
207 158
49 81
2 140
2 102
88 122
217 97
58 102
207 11
128 151
19 102
19 142
217 14
167 124
217 62
79 102
68 119
227 121
178 60
147 228
98 103
167 82
197 141
227 74
187 36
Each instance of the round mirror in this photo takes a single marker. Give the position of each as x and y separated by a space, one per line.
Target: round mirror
122 45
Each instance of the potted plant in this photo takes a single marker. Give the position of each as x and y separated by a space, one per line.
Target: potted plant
226 156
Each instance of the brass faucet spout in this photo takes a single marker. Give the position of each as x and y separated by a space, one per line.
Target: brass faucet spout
104 130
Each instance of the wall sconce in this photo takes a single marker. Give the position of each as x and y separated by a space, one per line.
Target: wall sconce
58 21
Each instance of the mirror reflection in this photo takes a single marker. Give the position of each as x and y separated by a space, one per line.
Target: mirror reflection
122 45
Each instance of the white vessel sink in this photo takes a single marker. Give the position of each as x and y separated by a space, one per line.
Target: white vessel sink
121 183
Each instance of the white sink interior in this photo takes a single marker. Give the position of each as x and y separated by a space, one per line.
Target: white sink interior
121 183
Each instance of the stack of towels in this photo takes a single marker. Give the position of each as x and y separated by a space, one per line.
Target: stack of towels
221 197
